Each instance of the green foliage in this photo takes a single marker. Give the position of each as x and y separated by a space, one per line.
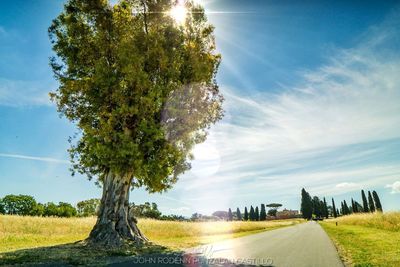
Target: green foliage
66 210
146 210
371 202
141 89
61 210
18 204
334 210
272 212
238 214
365 202
252 216
246 214
377 201
38 210
325 209
230 216
306 205
317 207
256 214
346 210
88 207
353 206
50 209
274 205
2 209
263 213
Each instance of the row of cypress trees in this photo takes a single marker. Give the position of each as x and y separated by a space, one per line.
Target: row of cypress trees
314 206
254 214
370 204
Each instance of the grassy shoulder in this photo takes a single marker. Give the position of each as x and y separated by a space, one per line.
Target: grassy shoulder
367 239
40 239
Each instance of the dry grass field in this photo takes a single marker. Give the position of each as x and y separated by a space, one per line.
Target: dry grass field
45 239
367 239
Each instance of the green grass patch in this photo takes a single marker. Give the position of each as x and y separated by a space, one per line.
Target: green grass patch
363 243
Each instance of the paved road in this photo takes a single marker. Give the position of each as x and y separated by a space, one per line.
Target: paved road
305 245
302 245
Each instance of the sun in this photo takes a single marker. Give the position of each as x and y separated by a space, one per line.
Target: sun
179 13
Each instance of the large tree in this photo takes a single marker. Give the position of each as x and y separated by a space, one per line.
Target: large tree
256 214
238 214
335 213
326 213
274 205
142 90
263 213
230 215
306 205
317 208
364 201
246 214
88 207
18 204
252 215
378 204
346 210
371 202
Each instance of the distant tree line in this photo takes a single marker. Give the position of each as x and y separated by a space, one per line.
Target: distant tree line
251 214
26 205
315 207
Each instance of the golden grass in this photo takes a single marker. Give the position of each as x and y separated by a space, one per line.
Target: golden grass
386 221
19 232
188 234
367 239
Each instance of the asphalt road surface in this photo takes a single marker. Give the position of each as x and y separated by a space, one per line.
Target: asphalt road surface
302 245
305 244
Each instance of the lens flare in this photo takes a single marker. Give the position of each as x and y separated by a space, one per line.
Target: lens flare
179 12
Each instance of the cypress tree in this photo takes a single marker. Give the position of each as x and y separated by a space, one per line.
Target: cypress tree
353 206
316 204
342 210
365 202
252 217
256 214
346 208
326 213
378 204
263 213
306 205
238 214
371 202
335 213
230 216
246 214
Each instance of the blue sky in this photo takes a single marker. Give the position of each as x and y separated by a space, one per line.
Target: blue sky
312 100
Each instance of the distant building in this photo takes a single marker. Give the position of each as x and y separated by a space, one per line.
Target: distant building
285 214
221 214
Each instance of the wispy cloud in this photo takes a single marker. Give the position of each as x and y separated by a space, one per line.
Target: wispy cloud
395 187
331 132
45 159
16 93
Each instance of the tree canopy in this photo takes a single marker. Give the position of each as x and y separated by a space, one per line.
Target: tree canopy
306 205
141 89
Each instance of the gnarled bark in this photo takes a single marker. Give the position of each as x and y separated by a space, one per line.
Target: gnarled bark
115 223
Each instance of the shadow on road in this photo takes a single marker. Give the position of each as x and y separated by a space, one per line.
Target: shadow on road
189 260
155 256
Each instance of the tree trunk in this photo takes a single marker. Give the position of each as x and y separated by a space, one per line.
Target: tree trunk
115 224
